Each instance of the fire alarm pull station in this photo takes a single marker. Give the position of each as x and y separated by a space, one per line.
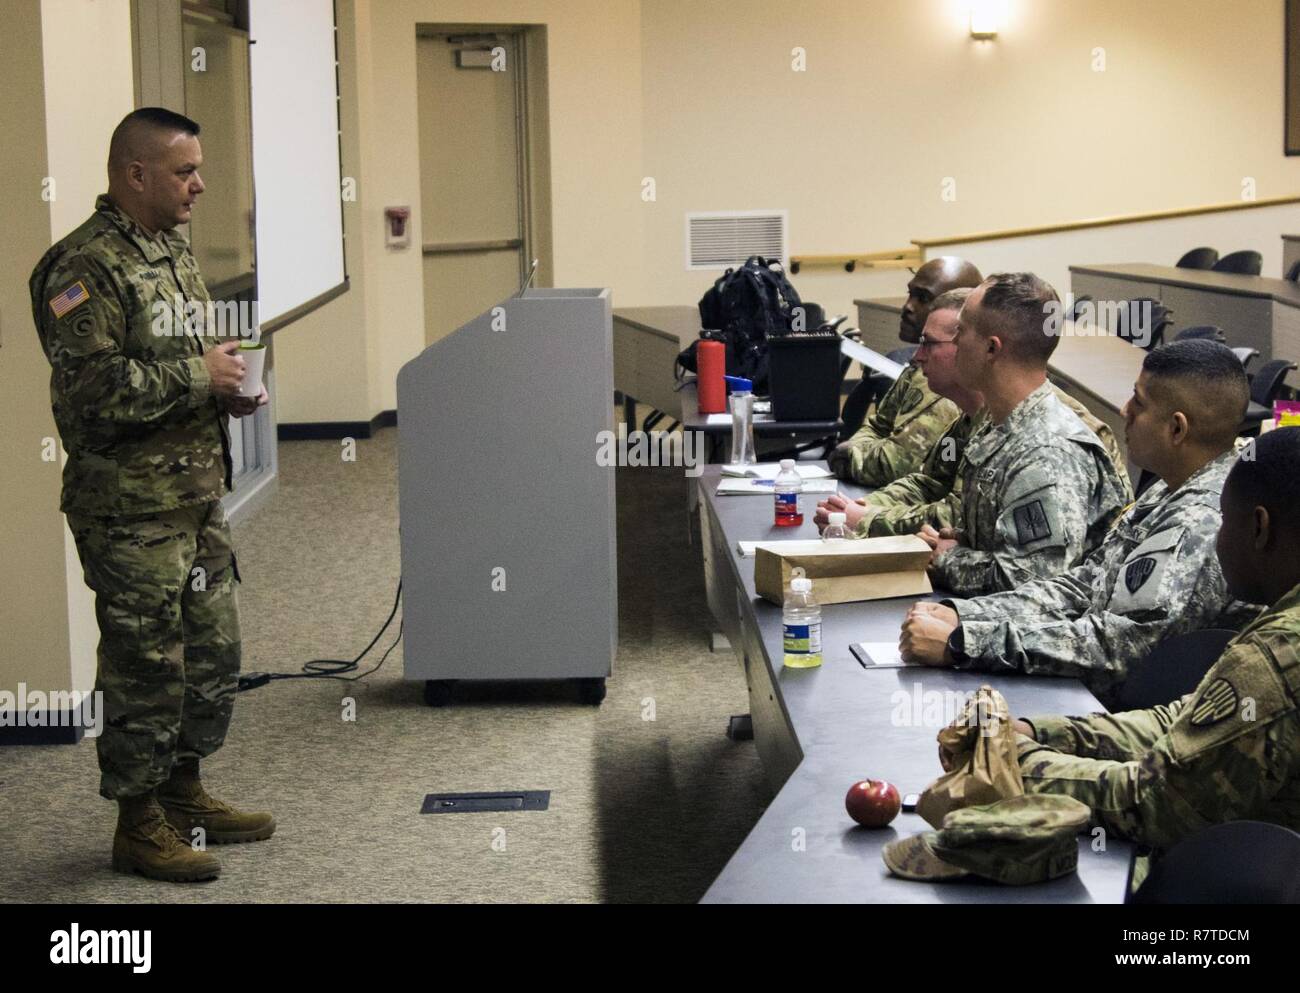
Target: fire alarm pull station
396 230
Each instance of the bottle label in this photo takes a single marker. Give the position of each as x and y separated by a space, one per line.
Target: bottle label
787 504
803 639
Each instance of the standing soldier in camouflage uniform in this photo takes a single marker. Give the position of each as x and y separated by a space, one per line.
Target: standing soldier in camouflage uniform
140 398
1039 491
910 417
1230 749
1155 575
932 494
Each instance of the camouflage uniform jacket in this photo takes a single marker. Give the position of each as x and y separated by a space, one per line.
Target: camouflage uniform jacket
1229 750
1039 492
894 441
1156 575
932 495
134 407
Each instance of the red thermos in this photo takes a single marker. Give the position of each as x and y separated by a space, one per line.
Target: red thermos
711 361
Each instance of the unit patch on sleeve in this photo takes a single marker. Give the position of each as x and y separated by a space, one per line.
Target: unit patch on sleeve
1031 523
1138 572
1218 702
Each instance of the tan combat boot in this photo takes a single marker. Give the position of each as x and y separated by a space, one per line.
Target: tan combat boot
146 843
188 805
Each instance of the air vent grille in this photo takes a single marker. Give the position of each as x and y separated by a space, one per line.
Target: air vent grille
724 239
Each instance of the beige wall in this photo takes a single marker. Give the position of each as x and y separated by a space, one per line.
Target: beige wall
89 87
897 96
33 587
594 89
68 62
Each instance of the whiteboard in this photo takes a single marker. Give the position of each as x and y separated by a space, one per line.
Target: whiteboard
295 153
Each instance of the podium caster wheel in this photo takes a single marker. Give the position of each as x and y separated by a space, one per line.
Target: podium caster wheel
741 728
437 692
591 690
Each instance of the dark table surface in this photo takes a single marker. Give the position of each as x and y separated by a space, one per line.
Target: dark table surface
764 425
856 724
1281 290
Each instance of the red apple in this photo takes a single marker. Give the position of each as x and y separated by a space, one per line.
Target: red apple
873 802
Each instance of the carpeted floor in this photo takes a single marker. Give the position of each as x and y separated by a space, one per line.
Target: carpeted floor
640 810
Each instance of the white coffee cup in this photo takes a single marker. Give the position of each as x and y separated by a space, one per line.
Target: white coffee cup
254 355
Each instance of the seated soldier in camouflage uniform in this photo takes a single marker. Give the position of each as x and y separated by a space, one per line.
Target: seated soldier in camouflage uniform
909 418
1039 491
1153 577
141 403
932 495
1230 749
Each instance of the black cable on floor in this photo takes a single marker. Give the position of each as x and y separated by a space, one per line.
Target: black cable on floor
331 668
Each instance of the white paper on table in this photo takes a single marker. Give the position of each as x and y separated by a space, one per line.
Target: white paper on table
870 358
730 486
748 549
769 470
717 420
879 655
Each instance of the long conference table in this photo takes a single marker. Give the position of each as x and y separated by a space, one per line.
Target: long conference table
820 730
1256 312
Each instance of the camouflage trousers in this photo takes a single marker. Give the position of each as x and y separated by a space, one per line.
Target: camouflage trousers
169 644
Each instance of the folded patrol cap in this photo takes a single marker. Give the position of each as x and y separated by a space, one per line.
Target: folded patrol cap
1024 839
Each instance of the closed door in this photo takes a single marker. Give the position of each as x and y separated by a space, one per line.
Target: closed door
472 175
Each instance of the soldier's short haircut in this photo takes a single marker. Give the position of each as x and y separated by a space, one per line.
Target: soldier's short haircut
952 300
1210 386
1024 311
124 147
1268 475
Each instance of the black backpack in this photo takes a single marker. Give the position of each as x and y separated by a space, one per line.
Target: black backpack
742 309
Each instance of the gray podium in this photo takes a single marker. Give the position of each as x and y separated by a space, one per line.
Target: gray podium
507 519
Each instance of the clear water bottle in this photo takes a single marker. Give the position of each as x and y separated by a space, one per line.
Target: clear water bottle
742 421
802 625
836 530
789 484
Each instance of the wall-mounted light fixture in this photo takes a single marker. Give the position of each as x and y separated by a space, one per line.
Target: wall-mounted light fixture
984 18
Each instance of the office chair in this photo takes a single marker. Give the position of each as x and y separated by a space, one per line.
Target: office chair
880 383
1243 263
1237 862
1199 258
1208 331
1133 328
1265 387
1246 355
1146 480
1172 669
854 412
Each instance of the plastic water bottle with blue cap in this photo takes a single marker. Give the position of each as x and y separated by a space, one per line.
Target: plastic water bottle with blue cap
742 421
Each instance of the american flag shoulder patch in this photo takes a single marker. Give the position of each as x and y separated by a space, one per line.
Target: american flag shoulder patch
70 299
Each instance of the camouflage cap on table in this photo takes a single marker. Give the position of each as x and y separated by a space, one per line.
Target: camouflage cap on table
1025 839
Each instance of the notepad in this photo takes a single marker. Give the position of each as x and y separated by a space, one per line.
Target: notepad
769 470
731 486
879 655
